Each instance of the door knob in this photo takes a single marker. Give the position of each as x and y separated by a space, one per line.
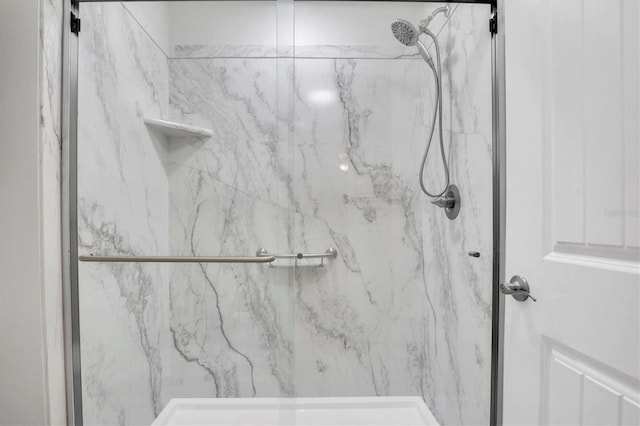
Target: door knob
518 287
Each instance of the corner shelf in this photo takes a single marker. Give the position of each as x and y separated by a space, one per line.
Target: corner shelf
180 130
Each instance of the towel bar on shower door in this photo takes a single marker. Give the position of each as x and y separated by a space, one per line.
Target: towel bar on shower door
179 259
262 256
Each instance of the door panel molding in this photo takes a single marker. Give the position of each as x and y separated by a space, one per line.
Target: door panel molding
581 390
591 142
630 267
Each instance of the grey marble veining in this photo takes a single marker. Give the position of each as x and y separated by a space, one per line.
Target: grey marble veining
353 185
230 319
244 151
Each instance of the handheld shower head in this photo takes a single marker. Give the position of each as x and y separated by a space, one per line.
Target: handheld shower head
404 32
425 54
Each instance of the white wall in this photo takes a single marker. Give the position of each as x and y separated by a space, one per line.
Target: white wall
31 361
223 22
22 375
256 23
207 23
333 23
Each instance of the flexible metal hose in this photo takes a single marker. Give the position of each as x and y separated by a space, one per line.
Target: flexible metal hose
436 113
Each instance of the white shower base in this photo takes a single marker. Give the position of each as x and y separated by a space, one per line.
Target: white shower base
368 411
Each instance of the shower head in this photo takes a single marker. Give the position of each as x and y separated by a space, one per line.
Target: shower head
407 34
404 32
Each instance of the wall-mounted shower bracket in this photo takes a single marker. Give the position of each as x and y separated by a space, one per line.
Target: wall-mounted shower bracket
424 24
450 202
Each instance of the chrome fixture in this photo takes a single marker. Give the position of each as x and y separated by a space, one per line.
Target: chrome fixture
331 253
406 33
262 256
444 9
450 202
518 287
178 259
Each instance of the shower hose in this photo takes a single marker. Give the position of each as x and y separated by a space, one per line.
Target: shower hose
437 73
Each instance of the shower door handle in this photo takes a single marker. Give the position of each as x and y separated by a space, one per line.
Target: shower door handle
518 287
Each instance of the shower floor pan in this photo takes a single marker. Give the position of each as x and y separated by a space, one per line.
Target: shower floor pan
378 411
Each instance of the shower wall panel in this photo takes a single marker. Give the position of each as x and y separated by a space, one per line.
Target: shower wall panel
122 210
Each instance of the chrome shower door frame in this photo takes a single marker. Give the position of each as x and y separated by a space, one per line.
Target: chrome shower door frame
69 210
69 224
499 178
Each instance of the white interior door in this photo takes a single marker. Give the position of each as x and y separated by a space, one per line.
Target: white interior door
572 70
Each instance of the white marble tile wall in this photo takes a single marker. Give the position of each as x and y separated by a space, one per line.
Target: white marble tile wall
236 98
402 311
122 210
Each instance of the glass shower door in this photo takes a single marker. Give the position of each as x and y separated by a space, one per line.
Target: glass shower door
292 133
183 152
403 310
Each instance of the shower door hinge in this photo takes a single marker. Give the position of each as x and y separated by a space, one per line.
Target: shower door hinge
75 23
493 24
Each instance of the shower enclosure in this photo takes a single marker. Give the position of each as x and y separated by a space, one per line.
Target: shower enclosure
246 212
